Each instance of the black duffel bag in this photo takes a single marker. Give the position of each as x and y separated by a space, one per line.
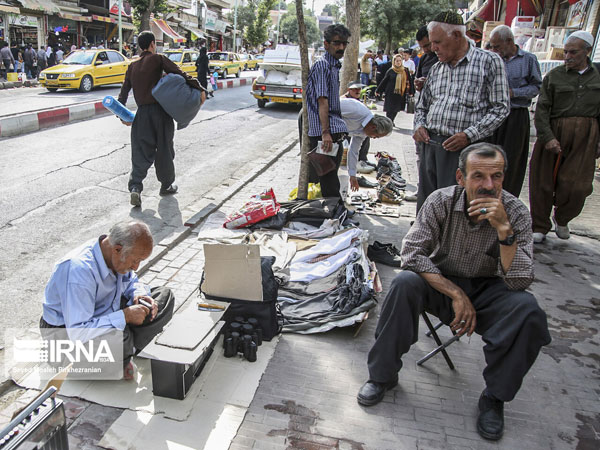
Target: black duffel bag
266 312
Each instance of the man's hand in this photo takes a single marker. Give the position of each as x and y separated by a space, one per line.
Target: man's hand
511 93
135 314
327 141
494 213
419 83
147 299
421 135
553 146
456 142
354 184
464 314
202 97
126 123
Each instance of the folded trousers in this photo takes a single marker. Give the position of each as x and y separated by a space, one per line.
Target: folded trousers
511 323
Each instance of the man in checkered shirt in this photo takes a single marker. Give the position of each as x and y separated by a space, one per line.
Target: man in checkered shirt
464 100
468 260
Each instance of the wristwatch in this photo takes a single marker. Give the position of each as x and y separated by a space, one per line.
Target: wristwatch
510 240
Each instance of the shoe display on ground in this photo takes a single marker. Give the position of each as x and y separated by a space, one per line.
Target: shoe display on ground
490 423
385 255
410 198
387 197
169 191
363 182
372 392
374 165
135 197
378 245
379 155
384 173
363 167
562 231
394 187
538 238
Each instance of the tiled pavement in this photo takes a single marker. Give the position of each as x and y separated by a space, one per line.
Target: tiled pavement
307 396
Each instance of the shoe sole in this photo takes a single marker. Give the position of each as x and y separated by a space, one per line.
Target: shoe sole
135 199
488 436
367 402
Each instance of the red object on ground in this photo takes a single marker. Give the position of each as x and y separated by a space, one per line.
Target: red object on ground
260 207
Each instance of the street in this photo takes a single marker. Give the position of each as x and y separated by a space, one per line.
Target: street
65 185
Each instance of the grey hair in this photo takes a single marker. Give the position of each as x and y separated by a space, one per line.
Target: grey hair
586 45
482 149
383 125
447 27
127 234
503 32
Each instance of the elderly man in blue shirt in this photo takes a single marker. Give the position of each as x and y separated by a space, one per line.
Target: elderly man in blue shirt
524 82
94 289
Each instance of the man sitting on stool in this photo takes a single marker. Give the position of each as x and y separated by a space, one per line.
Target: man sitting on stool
95 287
468 261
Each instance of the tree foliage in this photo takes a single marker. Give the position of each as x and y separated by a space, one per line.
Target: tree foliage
142 10
289 27
335 10
246 15
395 21
256 32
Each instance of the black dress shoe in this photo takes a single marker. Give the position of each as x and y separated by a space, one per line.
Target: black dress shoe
379 245
373 392
169 191
135 197
384 255
490 423
363 182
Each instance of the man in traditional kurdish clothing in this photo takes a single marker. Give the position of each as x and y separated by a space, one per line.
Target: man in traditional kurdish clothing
568 139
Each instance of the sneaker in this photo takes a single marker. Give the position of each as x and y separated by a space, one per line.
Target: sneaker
538 238
562 231
378 245
169 191
363 182
135 197
383 255
363 167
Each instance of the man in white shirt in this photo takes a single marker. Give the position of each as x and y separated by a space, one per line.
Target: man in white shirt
361 122
408 63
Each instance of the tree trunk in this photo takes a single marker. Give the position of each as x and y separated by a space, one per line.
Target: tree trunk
303 176
350 63
145 17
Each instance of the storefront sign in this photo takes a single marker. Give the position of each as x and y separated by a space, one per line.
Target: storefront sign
64 29
125 8
211 20
22 21
220 26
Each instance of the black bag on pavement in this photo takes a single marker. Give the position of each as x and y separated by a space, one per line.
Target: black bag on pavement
266 312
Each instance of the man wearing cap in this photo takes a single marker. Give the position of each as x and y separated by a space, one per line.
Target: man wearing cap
568 140
464 100
524 80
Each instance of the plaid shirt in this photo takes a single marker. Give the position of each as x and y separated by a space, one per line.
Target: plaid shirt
324 81
471 97
443 240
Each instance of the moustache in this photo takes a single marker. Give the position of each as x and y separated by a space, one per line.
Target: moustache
486 192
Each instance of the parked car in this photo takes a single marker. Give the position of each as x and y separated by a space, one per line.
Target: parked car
84 69
281 78
249 61
224 63
185 58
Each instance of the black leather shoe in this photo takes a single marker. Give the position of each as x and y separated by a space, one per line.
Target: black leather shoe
384 255
490 423
372 392
363 182
135 197
169 191
379 245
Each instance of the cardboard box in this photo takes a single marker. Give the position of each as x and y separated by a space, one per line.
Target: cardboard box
522 22
556 53
233 271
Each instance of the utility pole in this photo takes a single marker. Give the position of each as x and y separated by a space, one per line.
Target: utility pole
234 27
120 28
278 17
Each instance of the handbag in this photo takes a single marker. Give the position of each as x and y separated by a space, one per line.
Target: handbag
322 164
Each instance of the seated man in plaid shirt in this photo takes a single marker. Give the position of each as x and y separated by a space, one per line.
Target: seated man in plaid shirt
468 260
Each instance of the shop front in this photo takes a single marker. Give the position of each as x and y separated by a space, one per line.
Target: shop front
5 10
24 29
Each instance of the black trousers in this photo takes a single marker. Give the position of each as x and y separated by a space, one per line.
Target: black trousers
136 337
437 167
152 143
391 115
513 137
512 325
330 183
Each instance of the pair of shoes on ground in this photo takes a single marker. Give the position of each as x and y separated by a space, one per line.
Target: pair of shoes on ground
364 167
386 254
135 196
490 422
384 173
363 182
562 231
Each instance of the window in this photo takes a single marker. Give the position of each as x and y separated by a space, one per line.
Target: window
194 57
103 58
187 58
115 57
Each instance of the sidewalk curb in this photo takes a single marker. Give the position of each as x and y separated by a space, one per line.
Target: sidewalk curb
28 122
213 200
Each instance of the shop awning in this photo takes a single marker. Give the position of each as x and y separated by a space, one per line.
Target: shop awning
126 25
195 31
166 29
75 17
10 9
103 19
40 5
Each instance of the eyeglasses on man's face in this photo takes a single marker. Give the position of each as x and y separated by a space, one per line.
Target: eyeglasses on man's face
338 43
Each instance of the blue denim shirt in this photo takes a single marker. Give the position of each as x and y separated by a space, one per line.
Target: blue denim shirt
524 78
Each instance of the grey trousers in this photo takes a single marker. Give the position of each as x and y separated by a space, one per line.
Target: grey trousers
513 137
152 143
512 325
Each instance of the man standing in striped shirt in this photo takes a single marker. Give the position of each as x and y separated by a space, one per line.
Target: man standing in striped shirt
464 100
325 123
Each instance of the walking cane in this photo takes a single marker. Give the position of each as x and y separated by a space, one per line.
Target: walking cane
555 174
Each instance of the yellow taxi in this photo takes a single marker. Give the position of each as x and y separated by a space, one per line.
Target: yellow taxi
84 69
185 59
225 63
249 61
